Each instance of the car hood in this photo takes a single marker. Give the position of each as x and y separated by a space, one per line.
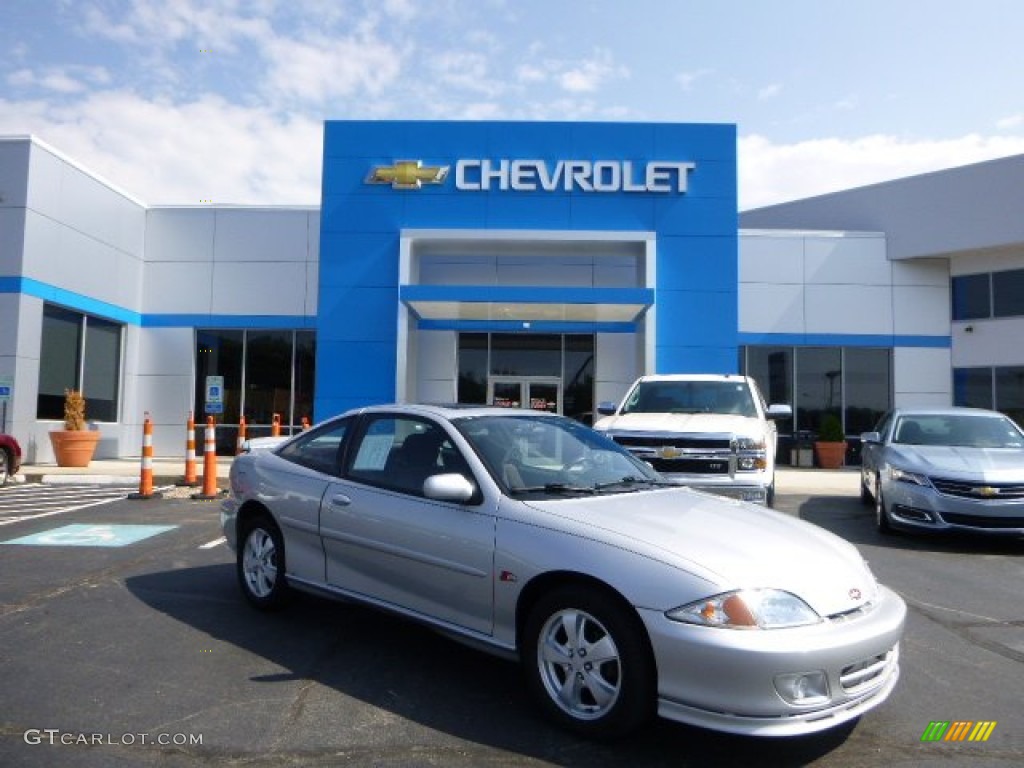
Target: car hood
729 543
994 464
708 423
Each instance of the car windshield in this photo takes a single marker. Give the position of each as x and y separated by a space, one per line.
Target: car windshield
959 430
553 456
731 397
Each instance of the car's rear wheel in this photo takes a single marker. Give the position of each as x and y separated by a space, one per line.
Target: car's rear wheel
588 664
260 564
881 515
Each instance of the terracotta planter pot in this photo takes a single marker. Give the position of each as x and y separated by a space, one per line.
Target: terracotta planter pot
74 449
830 455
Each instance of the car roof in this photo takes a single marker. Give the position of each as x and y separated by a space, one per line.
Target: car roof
694 377
449 411
950 410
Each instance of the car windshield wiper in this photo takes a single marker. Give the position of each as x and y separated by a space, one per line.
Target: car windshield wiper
631 480
556 488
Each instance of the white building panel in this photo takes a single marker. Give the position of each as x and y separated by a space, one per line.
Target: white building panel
261 234
164 351
765 308
437 352
178 288
934 272
851 259
986 343
921 377
12 226
258 288
617 365
179 234
312 287
849 309
14 175
545 272
770 258
921 310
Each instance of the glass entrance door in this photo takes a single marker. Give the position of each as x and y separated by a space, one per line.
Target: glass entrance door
538 393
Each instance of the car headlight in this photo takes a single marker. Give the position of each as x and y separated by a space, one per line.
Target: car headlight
750 443
898 475
748 609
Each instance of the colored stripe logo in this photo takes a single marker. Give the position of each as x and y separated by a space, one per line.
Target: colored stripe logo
958 730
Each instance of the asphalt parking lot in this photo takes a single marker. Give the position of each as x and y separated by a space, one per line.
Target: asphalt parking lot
126 642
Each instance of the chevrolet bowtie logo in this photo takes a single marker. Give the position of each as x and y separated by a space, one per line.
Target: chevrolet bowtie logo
408 174
669 452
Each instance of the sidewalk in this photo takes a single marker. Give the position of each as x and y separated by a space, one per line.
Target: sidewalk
827 482
121 472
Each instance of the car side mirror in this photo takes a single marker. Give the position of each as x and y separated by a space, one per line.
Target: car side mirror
606 408
448 487
871 437
779 411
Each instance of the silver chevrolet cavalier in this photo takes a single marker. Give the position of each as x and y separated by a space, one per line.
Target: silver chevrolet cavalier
532 536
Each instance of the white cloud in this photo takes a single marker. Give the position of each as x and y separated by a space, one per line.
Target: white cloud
182 153
590 74
773 173
1010 122
318 69
686 80
769 92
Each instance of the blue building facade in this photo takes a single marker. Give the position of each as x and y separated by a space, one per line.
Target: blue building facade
432 231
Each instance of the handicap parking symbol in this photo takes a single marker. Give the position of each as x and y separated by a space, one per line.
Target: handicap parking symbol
80 535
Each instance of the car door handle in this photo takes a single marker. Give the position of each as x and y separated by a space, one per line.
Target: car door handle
340 500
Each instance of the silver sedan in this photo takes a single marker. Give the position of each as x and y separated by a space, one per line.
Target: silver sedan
945 469
532 536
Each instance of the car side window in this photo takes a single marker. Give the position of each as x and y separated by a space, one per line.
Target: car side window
319 449
399 453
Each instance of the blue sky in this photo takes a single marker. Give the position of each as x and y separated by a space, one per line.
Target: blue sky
182 101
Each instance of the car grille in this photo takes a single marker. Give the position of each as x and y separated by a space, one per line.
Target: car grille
722 443
865 674
692 466
979 490
977 521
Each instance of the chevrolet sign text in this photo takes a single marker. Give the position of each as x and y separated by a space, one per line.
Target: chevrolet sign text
569 175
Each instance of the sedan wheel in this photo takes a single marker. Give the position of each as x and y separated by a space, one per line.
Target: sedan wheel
881 516
261 564
587 663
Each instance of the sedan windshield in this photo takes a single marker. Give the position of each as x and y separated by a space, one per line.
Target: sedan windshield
960 430
553 456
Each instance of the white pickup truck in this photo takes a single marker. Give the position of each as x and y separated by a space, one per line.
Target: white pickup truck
711 432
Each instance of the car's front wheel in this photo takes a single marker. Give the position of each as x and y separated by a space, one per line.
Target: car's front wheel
588 664
881 515
260 564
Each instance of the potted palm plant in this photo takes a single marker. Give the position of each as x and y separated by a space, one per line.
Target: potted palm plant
830 447
74 445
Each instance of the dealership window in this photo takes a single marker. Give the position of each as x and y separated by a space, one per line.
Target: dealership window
569 357
83 352
1000 388
263 372
1008 293
996 294
854 383
972 297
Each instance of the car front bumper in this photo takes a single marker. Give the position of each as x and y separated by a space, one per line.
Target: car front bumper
752 487
733 680
922 508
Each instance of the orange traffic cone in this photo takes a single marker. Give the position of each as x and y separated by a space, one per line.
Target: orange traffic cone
210 490
275 426
191 480
146 475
